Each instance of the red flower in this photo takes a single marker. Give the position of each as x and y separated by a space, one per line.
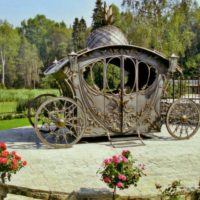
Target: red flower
17 157
106 179
4 153
24 163
14 166
3 160
14 161
3 146
14 153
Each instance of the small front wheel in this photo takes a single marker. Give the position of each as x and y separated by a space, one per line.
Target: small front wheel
64 122
182 120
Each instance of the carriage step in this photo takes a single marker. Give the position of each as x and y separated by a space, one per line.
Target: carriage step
119 142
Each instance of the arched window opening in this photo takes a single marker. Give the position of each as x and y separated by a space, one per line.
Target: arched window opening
113 75
146 76
129 75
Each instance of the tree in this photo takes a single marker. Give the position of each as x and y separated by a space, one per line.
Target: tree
163 25
50 38
98 17
9 41
79 34
75 34
28 65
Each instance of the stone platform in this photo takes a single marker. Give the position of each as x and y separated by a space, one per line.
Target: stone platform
74 169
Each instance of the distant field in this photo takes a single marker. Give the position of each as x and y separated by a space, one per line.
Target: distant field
6 107
14 95
13 123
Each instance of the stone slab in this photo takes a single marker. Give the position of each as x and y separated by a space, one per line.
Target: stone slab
75 168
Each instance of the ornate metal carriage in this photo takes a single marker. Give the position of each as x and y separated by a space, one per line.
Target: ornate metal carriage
111 88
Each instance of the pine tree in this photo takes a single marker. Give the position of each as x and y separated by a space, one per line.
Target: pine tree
75 34
79 34
82 33
98 15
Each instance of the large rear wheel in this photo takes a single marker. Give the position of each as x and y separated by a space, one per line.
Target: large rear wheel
183 119
64 122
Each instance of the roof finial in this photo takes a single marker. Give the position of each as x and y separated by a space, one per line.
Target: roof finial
108 14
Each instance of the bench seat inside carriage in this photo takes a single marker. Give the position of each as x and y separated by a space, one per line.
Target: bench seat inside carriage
111 88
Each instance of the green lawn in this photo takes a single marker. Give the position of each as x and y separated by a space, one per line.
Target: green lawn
13 123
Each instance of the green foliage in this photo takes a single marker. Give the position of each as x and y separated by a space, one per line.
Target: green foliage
177 191
50 38
79 34
9 42
8 95
49 82
8 107
22 106
166 26
28 65
98 17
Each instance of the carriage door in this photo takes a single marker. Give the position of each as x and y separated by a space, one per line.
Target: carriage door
120 100
113 90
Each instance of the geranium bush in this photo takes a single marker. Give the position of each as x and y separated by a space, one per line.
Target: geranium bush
120 171
10 163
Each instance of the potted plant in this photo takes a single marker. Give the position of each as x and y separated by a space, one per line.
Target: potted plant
120 171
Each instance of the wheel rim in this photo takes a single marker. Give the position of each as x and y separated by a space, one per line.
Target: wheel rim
183 119
63 121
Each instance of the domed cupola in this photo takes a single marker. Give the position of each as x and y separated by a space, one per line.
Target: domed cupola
106 35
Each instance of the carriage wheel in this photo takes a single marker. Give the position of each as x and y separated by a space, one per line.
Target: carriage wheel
183 119
64 122
34 104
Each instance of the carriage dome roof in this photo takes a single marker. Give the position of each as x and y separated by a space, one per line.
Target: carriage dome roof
106 35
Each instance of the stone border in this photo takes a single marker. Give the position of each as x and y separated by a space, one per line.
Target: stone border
82 194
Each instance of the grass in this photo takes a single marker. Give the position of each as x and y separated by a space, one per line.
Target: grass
8 95
7 107
13 123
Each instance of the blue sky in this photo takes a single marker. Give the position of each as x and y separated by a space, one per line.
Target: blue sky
14 11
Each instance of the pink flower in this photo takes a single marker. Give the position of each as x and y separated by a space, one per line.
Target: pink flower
107 162
122 177
106 179
5 153
124 159
116 159
119 184
14 153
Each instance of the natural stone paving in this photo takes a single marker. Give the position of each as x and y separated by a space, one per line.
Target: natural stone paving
75 168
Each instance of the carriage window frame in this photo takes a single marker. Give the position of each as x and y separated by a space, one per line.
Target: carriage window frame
135 87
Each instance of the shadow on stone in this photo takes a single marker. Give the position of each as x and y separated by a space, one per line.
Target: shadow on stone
94 193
